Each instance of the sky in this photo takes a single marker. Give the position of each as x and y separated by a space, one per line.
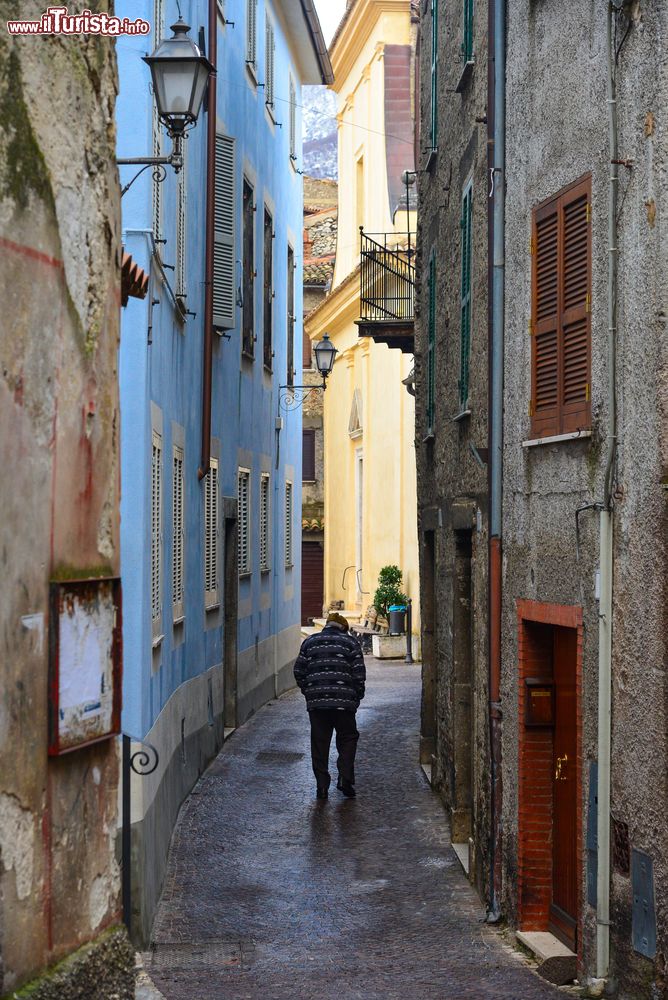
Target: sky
330 13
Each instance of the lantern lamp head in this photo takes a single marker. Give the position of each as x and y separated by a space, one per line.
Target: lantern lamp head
180 74
325 355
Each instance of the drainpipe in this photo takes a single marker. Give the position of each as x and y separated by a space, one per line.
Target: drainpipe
209 231
606 546
497 84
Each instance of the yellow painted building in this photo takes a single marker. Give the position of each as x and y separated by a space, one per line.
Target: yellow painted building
369 416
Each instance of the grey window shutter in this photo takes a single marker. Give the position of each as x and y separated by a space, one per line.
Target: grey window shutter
224 235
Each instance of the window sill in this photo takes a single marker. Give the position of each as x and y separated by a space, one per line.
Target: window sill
245 576
462 415
432 156
212 607
466 74
429 436
179 620
289 566
265 570
157 641
268 369
269 108
247 355
309 482
556 439
252 75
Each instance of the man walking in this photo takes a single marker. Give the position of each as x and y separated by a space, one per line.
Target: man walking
330 673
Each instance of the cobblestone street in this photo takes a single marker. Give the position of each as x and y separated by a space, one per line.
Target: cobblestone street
271 894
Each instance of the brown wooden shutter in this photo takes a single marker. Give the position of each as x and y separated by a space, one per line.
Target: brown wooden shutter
576 309
308 454
561 313
544 322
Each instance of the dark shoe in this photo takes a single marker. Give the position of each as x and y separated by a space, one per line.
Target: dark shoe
321 793
347 789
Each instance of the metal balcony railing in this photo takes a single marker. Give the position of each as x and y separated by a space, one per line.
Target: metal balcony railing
387 278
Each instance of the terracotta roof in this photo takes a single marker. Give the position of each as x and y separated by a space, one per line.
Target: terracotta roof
318 271
313 524
134 280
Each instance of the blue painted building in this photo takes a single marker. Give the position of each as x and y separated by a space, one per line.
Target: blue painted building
210 547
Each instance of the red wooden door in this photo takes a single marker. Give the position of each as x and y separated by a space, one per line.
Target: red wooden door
563 910
312 581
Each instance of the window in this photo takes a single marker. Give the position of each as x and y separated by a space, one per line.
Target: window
211 536
243 521
359 193
264 522
307 357
156 533
288 524
308 455
177 536
251 32
291 318
268 288
224 249
270 48
467 43
181 290
561 313
431 344
293 119
248 338
434 74
465 324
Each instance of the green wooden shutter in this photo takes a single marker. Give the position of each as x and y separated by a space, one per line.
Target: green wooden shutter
224 254
465 333
434 74
467 44
431 345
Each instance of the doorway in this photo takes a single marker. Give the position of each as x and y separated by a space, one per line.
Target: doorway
550 772
462 648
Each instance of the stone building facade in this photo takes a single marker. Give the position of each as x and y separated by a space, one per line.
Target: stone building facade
557 413
59 491
451 420
580 846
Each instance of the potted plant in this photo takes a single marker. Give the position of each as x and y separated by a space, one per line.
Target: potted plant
389 595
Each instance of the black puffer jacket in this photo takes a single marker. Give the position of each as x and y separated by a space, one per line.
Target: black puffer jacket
330 670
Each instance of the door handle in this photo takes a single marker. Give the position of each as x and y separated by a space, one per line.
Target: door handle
560 768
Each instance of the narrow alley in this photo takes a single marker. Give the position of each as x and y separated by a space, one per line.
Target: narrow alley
270 893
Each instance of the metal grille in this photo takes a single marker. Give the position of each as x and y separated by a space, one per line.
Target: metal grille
269 59
181 290
177 524
156 519
264 522
288 524
211 535
465 342
243 512
251 31
387 280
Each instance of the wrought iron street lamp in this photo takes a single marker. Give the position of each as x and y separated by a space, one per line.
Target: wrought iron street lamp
292 396
180 73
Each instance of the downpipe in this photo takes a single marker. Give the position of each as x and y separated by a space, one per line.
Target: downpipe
606 542
207 352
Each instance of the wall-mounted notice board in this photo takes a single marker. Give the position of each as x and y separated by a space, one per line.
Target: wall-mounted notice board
85 655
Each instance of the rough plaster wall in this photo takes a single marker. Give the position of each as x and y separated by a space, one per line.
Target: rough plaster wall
556 132
446 469
59 281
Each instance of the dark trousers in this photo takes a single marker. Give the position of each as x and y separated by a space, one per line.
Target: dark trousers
323 722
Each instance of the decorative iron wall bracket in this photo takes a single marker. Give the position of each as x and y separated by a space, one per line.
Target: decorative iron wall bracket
291 397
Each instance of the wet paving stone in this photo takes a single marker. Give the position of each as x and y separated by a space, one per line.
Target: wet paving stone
271 894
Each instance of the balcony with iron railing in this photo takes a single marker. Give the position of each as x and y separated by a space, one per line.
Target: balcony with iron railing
387 289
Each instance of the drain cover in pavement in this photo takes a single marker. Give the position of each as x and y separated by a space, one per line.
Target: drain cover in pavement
202 954
279 756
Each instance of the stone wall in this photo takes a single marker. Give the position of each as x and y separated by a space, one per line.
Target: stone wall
556 133
59 491
452 487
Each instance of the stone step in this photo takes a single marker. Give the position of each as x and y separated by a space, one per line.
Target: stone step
556 962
